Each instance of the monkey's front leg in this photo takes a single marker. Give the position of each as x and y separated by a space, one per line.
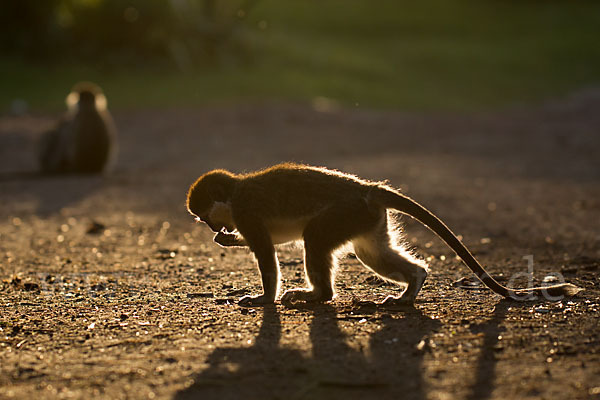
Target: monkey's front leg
269 272
259 240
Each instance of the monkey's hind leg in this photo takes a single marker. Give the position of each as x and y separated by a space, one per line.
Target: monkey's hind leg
322 236
376 251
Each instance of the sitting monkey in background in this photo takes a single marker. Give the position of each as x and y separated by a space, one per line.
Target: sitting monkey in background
326 209
84 141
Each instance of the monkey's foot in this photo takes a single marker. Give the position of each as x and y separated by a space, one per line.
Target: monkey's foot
303 295
398 302
253 301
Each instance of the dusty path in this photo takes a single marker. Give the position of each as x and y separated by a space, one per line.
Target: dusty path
143 307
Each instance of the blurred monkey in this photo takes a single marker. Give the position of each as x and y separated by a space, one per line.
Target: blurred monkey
84 141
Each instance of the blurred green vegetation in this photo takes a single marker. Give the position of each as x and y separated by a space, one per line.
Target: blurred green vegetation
439 54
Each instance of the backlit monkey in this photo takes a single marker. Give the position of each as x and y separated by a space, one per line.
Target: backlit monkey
326 209
84 141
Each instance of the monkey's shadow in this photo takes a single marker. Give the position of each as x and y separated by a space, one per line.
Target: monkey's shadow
391 366
487 360
48 195
43 194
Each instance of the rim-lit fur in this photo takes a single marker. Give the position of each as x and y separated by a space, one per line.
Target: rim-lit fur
327 210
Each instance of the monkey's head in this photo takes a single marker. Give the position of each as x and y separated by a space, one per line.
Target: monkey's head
86 95
208 199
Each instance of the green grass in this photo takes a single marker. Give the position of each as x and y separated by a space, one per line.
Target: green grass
444 54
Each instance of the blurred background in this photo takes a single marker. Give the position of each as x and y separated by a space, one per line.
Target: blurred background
438 54
486 111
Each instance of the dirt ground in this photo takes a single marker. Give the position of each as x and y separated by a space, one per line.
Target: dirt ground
108 289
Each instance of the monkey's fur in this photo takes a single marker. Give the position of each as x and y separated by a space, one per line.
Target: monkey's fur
326 209
84 141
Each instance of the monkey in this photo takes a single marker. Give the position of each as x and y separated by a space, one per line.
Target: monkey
84 140
326 209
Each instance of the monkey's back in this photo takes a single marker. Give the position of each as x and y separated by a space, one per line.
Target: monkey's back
93 139
298 190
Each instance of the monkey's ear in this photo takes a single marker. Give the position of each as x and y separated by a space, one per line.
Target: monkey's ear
72 100
101 102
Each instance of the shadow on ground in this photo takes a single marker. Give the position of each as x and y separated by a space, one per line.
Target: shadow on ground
391 366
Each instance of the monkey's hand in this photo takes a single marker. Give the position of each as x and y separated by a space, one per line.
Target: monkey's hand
229 239
252 301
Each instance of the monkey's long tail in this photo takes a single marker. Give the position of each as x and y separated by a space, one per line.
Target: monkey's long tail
391 199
